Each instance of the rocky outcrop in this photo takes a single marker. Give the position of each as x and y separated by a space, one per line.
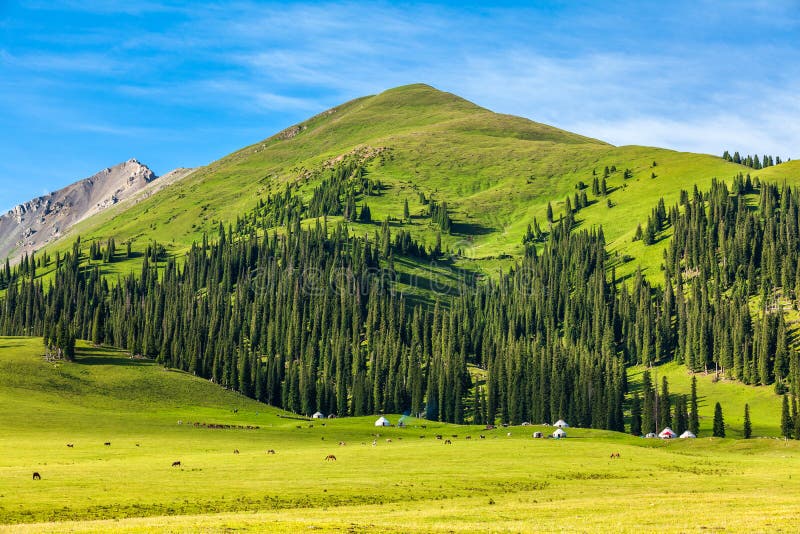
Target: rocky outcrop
29 226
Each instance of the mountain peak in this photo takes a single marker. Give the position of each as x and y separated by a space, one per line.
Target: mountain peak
30 225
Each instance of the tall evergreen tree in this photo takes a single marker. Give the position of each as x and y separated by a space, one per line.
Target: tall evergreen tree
748 428
719 422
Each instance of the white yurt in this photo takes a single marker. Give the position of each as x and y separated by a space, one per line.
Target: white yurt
382 421
559 433
318 415
667 433
687 434
561 424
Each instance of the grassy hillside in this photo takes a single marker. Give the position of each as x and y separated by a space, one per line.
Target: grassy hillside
765 405
496 172
415 483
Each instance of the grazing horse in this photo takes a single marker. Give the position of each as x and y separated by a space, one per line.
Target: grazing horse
235 451
176 464
330 458
271 451
448 442
107 443
37 476
342 443
615 455
388 441
70 445
483 437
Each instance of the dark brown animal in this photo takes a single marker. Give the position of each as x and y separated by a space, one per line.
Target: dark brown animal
235 451
70 445
448 442
483 437
271 451
107 443
342 443
37 476
438 436
615 455
176 464
468 437
330 458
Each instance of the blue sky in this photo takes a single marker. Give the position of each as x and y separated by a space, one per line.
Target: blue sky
85 84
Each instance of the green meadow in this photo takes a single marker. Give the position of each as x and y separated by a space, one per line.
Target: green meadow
505 482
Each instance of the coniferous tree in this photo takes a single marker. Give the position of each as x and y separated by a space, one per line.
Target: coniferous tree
719 422
636 415
786 420
694 417
748 428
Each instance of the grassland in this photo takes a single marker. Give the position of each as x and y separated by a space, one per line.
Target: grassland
416 483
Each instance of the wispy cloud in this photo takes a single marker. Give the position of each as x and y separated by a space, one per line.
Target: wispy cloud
164 80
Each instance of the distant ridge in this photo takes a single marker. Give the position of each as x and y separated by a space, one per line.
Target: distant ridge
31 225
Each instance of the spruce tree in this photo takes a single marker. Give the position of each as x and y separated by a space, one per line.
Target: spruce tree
719 422
786 421
694 417
636 415
748 428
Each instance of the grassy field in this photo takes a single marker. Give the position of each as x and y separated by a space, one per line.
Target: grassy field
415 483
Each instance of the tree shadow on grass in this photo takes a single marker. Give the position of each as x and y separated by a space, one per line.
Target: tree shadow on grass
101 356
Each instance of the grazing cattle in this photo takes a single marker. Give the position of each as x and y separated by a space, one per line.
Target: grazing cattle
374 442
424 426
508 435
483 437
107 443
448 442
235 451
176 464
330 458
422 437
455 435
438 436
615 455
236 410
70 445
37 476
342 443
468 437
271 451
137 444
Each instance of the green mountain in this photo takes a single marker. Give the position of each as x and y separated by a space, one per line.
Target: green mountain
242 273
495 172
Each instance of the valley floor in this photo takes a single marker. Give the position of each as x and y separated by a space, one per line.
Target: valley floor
413 483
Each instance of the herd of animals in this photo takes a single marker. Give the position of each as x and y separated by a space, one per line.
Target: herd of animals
328 458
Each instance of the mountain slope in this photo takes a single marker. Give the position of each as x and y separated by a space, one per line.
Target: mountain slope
496 173
33 224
